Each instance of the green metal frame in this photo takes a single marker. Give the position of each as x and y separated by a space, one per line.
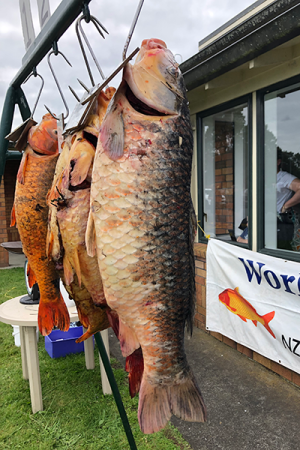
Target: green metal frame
56 26
59 22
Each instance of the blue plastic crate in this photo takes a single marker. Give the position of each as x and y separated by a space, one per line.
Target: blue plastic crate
61 343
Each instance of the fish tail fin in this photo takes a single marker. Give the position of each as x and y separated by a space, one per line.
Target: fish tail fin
13 216
267 318
135 368
157 403
53 314
90 236
30 276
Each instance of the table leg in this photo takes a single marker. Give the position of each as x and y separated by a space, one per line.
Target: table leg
23 354
89 352
105 383
33 369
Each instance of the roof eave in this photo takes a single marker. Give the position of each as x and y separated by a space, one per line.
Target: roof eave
275 25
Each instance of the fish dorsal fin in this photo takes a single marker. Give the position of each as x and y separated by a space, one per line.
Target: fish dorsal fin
90 236
112 134
13 216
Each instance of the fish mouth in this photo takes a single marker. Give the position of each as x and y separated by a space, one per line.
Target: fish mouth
141 107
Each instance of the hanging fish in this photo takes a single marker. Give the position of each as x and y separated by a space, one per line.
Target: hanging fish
30 213
69 203
141 224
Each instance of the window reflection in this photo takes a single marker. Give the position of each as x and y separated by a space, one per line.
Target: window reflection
282 169
225 158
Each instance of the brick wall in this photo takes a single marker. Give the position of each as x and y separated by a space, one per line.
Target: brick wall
7 193
3 227
200 321
224 182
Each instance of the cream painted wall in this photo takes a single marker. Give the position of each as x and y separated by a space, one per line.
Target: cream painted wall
243 80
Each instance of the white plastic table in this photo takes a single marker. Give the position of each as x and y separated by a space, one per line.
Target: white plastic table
13 312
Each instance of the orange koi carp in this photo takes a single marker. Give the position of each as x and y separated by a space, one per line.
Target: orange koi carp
30 213
238 305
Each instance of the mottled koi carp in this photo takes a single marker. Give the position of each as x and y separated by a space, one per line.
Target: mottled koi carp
141 226
30 213
238 305
69 203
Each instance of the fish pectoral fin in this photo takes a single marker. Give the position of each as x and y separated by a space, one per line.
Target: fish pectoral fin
242 317
112 135
22 169
255 322
81 166
68 270
135 367
13 216
90 236
237 290
49 243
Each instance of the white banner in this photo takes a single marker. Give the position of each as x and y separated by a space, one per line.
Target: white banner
254 299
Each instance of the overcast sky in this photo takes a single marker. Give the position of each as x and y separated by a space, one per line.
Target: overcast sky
180 23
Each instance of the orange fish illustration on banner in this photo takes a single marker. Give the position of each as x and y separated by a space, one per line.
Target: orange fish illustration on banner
238 305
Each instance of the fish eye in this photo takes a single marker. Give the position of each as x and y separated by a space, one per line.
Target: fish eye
55 131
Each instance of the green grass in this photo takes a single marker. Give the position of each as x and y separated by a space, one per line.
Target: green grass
76 413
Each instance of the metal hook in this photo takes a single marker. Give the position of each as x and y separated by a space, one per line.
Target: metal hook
135 19
56 52
78 28
35 74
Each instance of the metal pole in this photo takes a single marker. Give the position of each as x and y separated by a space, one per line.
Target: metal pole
5 125
115 391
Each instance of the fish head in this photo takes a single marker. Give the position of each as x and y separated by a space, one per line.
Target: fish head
42 138
224 297
155 79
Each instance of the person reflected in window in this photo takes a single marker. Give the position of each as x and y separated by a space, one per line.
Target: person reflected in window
288 187
243 238
288 196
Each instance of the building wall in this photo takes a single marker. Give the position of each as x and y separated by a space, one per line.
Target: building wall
7 193
200 321
277 65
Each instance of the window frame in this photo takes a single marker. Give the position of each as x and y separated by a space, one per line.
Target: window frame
260 122
246 99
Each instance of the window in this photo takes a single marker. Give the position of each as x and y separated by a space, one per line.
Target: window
224 165
282 168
